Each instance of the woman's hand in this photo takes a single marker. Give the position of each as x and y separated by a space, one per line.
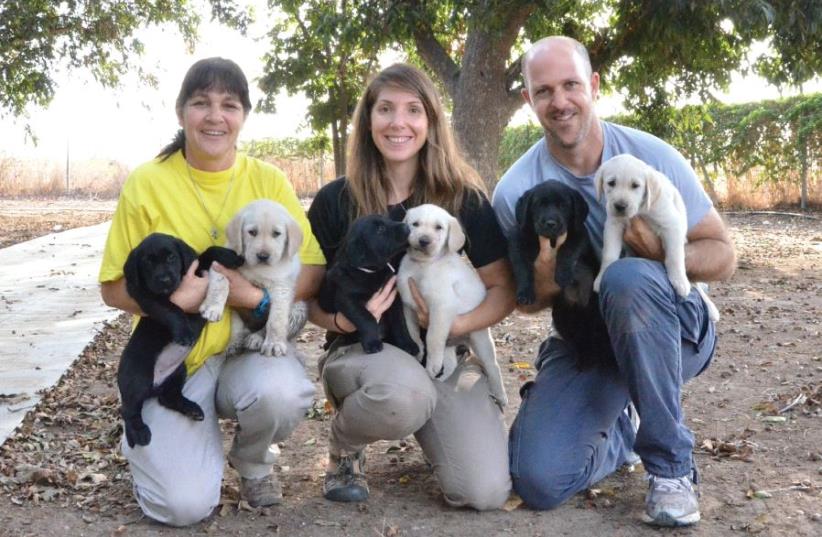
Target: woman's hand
642 240
192 290
241 292
377 305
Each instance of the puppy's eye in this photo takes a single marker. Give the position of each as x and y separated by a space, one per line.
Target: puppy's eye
252 232
634 185
438 227
275 233
612 182
415 224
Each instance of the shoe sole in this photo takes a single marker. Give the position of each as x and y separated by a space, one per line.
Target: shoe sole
666 520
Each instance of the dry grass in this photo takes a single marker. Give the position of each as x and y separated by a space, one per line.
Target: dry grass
103 179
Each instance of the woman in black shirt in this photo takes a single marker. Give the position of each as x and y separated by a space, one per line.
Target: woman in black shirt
402 154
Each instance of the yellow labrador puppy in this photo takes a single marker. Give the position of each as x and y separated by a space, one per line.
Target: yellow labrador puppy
633 188
268 238
450 287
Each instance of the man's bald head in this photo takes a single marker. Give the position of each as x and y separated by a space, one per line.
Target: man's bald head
557 44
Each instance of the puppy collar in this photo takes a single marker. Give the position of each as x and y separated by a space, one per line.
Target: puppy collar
372 271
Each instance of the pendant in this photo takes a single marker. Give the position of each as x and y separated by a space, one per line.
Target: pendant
214 233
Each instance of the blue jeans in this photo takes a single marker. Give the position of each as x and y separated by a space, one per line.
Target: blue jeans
571 431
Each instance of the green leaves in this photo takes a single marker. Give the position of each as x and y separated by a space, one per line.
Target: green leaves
39 37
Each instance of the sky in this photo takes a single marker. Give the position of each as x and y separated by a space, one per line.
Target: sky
132 123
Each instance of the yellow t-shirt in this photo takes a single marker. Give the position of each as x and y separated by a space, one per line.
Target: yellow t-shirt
160 197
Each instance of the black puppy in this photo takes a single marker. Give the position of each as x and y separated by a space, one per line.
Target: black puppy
555 212
153 270
365 262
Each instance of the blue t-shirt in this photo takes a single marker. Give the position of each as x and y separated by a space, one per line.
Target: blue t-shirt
537 165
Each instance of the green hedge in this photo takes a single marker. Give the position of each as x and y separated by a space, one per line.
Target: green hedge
781 137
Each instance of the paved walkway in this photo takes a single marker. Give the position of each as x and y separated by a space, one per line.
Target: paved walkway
50 309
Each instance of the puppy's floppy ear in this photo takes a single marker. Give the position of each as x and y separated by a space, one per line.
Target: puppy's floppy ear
186 253
456 236
293 236
653 187
131 271
523 211
234 233
599 182
580 210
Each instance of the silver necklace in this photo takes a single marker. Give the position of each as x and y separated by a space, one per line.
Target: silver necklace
214 228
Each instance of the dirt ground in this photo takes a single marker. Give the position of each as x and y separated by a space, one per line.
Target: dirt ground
756 414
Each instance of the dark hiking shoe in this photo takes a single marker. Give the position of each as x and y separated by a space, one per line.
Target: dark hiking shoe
347 482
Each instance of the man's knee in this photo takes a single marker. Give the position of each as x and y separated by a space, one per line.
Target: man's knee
542 490
629 275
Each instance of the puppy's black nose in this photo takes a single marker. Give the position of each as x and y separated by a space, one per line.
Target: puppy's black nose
263 257
551 224
424 242
620 207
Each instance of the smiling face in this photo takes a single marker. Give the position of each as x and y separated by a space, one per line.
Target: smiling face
561 90
399 128
212 121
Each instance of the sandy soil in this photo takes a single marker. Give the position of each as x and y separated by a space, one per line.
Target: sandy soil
756 415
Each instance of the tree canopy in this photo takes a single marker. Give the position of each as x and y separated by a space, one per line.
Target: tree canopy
655 51
39 37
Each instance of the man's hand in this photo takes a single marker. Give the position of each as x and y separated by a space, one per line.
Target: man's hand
642 240
192 290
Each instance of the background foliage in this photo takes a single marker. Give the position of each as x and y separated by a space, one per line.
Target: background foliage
780 139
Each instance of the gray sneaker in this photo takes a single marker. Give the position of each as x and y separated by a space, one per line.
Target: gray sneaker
261 492
671 502
347 482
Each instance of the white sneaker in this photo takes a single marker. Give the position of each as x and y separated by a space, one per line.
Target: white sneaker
671 502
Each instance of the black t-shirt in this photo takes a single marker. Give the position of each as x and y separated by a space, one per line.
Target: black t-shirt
329 216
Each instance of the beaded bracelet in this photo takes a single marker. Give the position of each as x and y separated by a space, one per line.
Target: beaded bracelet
262 308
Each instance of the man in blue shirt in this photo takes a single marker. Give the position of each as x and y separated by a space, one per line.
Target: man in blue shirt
576 427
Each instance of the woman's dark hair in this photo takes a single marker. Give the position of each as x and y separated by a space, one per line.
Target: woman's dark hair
217 74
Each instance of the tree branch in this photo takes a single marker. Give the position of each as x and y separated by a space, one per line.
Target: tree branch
437 58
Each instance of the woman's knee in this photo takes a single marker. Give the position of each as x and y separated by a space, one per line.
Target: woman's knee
181 506
483 493
400 410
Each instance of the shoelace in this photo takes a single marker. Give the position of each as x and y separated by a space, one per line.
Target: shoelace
671 484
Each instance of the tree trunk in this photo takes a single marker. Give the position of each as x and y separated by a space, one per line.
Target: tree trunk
710 188
480 86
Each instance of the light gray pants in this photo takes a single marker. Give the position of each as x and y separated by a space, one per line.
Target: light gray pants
177 477
389 395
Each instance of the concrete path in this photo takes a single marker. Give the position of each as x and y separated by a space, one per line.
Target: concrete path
50 309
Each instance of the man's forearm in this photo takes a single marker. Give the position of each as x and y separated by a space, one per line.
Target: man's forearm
709 260
545 287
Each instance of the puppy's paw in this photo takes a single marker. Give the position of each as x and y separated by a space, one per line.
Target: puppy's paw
184 336
500 397
211 312
137 435
273 347
190 409
434 368
597 282
254 342
526 295
682 286
372 346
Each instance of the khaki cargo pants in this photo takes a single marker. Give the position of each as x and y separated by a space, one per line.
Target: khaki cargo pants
389 395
